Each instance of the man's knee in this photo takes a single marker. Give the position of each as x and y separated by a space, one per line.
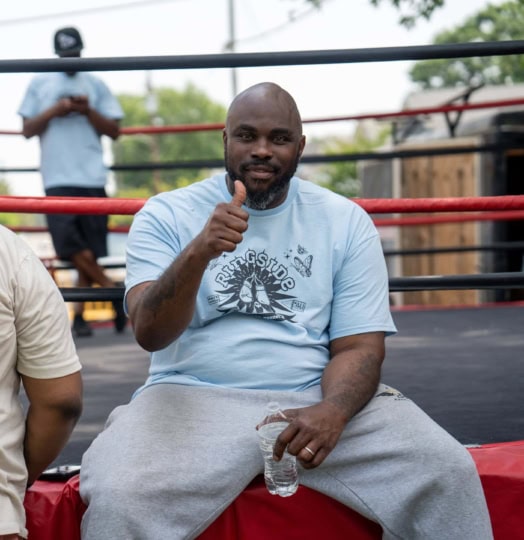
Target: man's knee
458 465
104 491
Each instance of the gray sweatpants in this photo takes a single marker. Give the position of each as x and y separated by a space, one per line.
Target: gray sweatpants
172 460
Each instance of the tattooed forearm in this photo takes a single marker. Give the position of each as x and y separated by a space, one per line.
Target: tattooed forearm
161 310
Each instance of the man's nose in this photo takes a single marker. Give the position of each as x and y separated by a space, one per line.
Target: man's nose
262 148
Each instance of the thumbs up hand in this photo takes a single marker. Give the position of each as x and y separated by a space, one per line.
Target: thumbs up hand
226 225
239 197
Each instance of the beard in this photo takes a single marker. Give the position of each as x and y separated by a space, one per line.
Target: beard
261 200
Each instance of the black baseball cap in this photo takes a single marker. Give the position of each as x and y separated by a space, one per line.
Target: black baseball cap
68 42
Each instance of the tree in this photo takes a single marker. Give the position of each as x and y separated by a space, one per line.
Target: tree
4 187
494 23
416 9
190 106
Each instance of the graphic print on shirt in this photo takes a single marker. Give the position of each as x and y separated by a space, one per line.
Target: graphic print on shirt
258 284
303 266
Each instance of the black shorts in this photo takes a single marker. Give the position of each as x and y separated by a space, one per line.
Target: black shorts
73 233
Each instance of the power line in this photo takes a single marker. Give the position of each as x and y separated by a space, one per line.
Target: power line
85 11
292 18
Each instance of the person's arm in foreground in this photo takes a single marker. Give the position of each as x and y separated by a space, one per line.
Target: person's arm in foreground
348 383
161 310
54 408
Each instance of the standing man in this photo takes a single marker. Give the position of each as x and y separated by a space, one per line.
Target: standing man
37 350
70 112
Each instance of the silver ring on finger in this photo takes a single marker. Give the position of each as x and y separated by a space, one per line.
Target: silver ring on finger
307 449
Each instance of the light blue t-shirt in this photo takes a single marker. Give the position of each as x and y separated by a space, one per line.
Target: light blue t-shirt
70 148
307 272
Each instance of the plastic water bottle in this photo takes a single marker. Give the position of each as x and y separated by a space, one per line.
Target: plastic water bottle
281 476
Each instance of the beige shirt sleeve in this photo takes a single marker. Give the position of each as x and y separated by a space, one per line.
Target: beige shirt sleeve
45 343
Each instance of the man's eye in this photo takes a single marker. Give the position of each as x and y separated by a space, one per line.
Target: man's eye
245 136
281 139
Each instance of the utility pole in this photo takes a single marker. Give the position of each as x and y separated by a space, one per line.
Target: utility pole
152 109
230 46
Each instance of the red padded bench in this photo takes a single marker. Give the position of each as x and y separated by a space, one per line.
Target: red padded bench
54 509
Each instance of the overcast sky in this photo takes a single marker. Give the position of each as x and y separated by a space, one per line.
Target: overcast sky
171 27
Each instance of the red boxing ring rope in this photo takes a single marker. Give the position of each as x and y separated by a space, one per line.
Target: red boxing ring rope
121 206
508 215
183 128
70 205
376 116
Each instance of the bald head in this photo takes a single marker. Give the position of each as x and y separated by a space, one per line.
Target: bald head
263 142
261 98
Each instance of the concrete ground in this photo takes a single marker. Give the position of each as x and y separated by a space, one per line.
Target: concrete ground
464 367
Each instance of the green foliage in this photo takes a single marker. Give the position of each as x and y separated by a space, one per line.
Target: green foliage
10 219
416 9
190 106
494 23
4 187
342 177
411 10
15 219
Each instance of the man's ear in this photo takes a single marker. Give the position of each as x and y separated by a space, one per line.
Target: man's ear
301 145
